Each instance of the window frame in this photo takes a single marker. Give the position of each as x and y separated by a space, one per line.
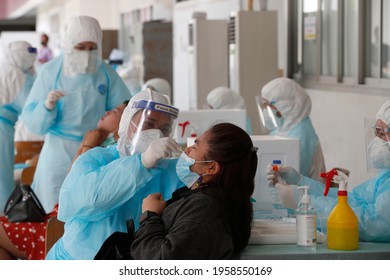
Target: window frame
359 82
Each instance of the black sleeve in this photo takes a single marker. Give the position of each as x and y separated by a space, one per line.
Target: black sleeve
197 232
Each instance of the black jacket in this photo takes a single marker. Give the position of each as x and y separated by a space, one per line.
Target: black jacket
193 225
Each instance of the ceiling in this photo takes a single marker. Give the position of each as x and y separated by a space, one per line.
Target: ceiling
23 23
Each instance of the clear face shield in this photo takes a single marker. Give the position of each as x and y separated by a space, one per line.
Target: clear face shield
269 115
377 145
154 120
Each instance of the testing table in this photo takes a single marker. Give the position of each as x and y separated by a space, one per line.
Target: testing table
366 251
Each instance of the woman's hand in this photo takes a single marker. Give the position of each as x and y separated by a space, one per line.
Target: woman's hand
153 202
94 138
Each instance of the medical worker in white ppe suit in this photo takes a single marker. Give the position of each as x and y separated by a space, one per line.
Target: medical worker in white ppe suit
225 98
284 108
16 79
70 94
370 200
160 85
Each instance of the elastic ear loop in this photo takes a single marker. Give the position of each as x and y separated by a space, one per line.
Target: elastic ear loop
201 175
197 183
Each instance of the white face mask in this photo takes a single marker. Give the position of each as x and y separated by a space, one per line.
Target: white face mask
81 62
379 154
141 141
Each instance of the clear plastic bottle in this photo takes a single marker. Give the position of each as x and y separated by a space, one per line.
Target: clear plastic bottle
274 194
276 164
306 223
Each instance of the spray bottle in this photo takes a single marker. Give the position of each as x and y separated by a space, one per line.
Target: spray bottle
343 228
306 223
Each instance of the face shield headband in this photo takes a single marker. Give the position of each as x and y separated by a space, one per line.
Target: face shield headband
32 50
155 106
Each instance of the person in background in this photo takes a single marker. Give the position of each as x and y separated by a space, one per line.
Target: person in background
116 58
369 200
16 78
284 108
70 94
44 53
133 73
160 85
26 240
211 217
225 98
105 187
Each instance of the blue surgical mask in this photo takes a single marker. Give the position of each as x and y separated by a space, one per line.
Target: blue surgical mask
183 170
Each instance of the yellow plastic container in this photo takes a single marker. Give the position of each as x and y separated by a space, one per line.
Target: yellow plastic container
343 228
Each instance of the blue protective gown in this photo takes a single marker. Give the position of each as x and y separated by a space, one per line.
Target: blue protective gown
308 144
9 114
370 201
87 98
100 193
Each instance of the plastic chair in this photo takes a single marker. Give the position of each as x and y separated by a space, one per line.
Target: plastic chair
54 230
26 150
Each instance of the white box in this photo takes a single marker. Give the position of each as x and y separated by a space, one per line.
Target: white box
272 148
198 121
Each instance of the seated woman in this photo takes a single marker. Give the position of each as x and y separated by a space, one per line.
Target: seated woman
26 240
209 218
105 187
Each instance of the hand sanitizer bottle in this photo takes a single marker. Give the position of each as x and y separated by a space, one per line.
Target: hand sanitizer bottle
306 223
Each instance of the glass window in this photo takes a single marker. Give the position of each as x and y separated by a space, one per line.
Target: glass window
350 38
345 42
373 38
329 22
386 40
310 37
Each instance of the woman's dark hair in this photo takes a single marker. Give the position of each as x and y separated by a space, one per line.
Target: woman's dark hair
233 149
